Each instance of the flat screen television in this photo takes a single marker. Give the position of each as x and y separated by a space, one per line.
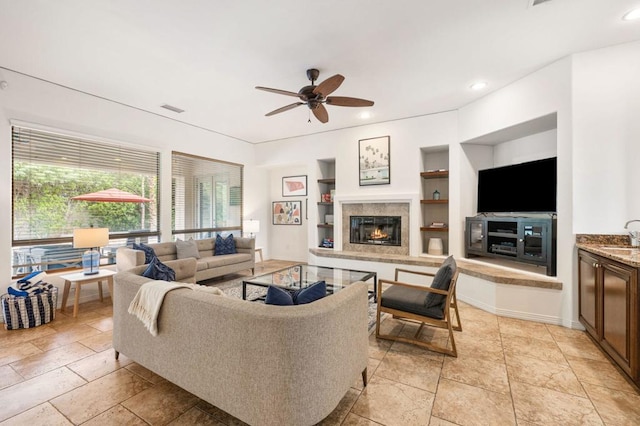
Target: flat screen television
519 188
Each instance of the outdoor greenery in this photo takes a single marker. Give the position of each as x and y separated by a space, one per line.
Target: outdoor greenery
43 205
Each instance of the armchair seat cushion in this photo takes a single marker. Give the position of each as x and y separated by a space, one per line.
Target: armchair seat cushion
411 300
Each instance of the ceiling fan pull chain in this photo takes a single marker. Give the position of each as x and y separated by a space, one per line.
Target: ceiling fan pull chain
309 120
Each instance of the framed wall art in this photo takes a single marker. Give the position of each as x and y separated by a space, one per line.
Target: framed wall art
287 212
294 186
374 161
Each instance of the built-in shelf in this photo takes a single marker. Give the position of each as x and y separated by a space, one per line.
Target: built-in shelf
323 203
434 201
435 175
325 225
327 180
326 190
434 228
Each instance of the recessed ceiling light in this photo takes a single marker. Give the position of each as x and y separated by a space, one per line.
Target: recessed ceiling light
365 115
632 14
479 85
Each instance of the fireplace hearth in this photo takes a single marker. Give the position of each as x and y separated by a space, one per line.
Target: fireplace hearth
375 230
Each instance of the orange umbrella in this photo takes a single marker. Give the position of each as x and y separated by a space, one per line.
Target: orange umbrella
112 195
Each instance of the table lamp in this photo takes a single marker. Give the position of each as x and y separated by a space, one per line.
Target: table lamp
251 226
91 238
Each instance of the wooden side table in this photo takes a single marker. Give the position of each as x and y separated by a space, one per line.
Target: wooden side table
259 251
79 279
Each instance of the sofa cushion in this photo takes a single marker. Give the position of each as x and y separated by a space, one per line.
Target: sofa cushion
230 259
186 249
159 271
149 253
279 296
225 245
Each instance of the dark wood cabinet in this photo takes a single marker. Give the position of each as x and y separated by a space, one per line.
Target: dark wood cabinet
608 308
520 238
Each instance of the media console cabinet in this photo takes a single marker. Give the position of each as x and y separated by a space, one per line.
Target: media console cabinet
519 238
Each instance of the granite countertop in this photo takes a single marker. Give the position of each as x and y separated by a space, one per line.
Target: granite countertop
621 253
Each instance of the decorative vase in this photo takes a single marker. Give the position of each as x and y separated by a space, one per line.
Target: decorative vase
436 195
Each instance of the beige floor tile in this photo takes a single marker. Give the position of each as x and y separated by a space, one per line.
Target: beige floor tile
50 360
392 403
518 327
338 415
581 349
489 375
102 324
13 353
551 375
145 373
161 403
15 337
219 414
470 405
409 348
195 416
372 366
378 347
615 407
83 403
477 347
30 393
99 364
116 416
43 414
540 405
64 336
541 349
436 421
355 420
99 342
9 377
562 334
600 373
412 369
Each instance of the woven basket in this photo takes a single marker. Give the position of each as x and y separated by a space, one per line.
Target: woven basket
30 311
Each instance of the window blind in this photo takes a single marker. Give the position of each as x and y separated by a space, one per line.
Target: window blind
206 196
50 169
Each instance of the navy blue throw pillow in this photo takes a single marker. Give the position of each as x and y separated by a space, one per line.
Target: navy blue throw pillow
149 253
278 296
159 271
225 245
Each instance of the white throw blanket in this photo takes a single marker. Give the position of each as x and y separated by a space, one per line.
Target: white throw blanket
148 300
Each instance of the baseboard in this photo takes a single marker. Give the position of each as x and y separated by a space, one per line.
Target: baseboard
527 316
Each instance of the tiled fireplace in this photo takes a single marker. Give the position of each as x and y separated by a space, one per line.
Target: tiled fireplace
376 227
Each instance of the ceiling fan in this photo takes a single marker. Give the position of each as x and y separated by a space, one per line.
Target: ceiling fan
315 96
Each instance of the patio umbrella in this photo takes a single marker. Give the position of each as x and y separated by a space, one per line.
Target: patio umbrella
112 195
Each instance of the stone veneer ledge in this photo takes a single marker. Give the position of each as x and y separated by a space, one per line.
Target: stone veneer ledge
496 274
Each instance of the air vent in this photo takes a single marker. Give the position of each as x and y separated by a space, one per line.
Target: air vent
172 108
537 2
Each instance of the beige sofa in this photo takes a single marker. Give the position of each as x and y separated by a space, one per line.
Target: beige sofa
208 266
264 364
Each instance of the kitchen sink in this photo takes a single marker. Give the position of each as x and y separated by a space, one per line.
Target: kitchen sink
623 251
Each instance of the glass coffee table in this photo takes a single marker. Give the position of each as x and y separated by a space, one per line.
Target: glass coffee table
301 276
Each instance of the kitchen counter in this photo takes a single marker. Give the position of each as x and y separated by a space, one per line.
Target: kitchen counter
624 254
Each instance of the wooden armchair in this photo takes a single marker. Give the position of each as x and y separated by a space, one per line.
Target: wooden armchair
429 306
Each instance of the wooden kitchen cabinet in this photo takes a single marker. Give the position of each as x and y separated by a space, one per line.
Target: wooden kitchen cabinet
608 299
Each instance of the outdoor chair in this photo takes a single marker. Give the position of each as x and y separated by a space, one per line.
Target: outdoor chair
430 306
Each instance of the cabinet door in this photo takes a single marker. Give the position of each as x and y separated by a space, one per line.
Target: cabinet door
589 308
475 235
617 311
532 240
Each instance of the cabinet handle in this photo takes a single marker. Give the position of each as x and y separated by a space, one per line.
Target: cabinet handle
596 265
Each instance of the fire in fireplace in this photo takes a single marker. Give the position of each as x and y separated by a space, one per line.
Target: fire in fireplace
376 230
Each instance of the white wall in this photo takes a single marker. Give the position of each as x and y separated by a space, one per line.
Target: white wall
606 151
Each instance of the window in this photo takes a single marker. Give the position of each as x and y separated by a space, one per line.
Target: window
53 178
206 196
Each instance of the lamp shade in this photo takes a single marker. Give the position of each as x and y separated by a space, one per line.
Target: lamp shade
90 237
251 226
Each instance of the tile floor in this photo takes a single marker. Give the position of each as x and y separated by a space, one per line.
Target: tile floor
508 372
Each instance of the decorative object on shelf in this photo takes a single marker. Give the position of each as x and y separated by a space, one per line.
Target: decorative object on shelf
251 226
438 225
332 194
436 195
326 198
287 212
435 246
374 161
294 186
327 243
93 239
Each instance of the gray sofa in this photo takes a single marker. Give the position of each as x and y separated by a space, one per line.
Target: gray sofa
264 364
208 266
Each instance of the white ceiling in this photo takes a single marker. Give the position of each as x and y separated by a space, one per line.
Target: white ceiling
412 57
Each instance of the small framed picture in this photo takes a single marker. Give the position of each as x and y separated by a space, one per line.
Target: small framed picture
294 186
287 212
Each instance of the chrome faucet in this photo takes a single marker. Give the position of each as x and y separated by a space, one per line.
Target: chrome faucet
633 235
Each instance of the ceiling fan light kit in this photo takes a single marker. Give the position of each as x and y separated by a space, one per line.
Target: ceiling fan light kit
314 97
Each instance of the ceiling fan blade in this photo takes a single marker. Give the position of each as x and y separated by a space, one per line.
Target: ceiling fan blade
329 85
284 108
321 113
348 102
278 91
